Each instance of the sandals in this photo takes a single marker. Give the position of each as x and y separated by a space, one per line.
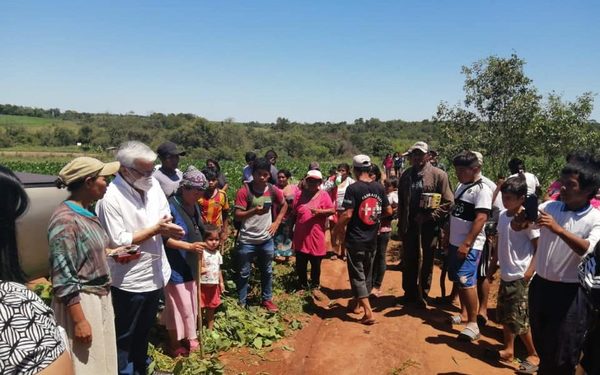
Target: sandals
527 367
469 334
455 320
367 321
481 320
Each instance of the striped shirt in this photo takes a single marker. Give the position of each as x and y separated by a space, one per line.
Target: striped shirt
215 208
77 253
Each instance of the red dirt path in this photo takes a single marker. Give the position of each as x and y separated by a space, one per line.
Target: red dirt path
404 340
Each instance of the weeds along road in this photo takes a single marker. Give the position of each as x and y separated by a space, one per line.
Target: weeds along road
404 340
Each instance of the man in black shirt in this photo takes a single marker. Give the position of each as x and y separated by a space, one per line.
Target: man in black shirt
364 203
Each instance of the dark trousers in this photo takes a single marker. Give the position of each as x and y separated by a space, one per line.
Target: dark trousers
360 269
135 314
302 260
559 314
410 258
380 262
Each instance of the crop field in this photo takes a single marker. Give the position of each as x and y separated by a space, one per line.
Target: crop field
35 123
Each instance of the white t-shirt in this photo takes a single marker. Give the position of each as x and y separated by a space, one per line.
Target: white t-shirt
122 212
393 197
341 191
515 248
169 185
476 197
211 267
532 182
555 260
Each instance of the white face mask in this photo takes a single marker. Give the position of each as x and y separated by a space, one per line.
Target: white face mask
144 183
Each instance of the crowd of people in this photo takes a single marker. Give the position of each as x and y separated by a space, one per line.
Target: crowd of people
156 234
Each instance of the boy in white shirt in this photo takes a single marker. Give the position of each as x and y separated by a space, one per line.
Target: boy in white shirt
558 308
517 243
472 206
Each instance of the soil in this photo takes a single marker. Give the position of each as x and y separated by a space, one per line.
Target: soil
404 340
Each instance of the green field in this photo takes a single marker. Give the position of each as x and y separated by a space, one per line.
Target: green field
35 123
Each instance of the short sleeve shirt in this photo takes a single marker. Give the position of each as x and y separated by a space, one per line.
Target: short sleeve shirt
555 260
367 201
168 184
475 197
309 232
515 249
211 267
255 229
29 337
213 208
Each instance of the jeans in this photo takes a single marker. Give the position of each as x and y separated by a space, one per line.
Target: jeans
135 314
245 256
302 260
380 264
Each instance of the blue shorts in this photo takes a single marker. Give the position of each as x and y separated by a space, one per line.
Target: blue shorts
463 271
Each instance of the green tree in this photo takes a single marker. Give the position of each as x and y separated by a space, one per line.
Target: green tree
503 116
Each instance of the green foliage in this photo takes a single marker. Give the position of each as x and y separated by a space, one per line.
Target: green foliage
504 117
44 291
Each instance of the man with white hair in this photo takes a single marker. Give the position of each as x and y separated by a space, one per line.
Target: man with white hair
135 211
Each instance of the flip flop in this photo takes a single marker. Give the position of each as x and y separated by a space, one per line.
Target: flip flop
455 320
469 334
481 320
527 367
367 322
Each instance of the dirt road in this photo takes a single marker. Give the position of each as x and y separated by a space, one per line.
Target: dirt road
405 340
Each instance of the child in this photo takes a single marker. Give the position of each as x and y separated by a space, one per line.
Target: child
211 285
517 243
472 205
557 305
383 237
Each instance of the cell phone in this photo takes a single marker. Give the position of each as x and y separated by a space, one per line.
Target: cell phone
531 207
267 205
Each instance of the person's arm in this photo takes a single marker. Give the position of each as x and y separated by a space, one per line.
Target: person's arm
579 245
481 217
343 220
82 328
194 247
531 269
61 366
281 214
443 187
221 281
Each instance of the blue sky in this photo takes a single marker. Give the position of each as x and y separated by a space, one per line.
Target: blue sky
304 60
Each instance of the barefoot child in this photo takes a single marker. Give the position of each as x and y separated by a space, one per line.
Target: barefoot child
212 284
517 243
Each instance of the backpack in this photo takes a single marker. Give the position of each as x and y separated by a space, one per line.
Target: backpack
589 277
237 224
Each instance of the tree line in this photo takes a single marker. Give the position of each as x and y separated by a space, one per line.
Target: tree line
502 115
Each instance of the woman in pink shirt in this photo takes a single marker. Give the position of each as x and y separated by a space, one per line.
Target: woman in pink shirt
309 213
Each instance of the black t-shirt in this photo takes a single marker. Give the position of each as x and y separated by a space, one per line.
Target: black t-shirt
367 200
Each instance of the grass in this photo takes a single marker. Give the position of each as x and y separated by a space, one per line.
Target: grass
35 123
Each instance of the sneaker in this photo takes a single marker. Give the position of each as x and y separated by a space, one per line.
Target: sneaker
270 306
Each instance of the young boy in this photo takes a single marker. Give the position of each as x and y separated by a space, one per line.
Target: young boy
211 279
558 309
214 204
253 203
517 243
472 206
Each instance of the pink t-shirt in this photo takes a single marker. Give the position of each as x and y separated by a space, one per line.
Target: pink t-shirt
309 233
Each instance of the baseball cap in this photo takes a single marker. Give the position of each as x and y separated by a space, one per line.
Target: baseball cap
360 161
169 148
479 157
422 146
314 174
85 166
